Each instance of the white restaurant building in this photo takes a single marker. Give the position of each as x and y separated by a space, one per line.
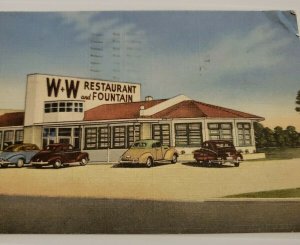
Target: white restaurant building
104 118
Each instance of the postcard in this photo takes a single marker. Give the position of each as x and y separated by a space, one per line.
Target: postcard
149 122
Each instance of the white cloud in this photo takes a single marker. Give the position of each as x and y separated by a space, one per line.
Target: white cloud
86 23
260 49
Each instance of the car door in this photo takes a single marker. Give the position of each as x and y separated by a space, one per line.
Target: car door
69 153
158 151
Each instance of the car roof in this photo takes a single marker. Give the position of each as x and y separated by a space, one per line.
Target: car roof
148 141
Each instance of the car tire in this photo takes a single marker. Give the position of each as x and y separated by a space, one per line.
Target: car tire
20 163
174 159
237 163
84 161
4 165
57 164
149 162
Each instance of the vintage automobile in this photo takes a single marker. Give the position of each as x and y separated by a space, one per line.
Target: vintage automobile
147 152
18 154
218 152
59 155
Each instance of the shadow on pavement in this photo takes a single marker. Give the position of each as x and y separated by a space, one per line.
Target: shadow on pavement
59 215
137 165
198 165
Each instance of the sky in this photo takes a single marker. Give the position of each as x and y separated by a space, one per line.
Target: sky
249 61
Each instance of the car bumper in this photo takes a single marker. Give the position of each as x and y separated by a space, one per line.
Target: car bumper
2 162
128 161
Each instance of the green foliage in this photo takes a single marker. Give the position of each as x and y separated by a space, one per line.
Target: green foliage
285 193
266 137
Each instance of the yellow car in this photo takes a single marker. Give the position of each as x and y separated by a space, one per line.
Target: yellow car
147 152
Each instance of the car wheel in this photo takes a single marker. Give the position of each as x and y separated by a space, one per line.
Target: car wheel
149 162
20 163
4 165
174 159
84 161
237 163
57 164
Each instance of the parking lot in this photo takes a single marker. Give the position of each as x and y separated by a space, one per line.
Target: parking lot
168 198
179 182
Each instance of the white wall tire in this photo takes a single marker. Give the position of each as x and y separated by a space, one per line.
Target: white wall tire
20 163
57 164
174 159
84 161
149 162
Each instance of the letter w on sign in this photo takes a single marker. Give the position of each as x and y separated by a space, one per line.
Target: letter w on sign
53 86
71 88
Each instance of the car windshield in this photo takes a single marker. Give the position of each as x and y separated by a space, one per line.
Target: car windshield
53 148
139 145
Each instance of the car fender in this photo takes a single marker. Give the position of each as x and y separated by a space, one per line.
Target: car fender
52 159
169 154
16 157
82 155
143 158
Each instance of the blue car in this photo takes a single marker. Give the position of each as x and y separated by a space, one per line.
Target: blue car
18 155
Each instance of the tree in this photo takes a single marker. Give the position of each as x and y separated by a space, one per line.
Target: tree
292 135
279 136
259 135
298 102
269 136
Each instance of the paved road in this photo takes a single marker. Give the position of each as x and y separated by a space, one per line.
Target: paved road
164 199
181 181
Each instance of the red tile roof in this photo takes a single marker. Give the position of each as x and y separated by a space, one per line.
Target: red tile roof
184 109
118 111
12 119
194 109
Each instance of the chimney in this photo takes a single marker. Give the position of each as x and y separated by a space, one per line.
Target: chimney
142 109
148 98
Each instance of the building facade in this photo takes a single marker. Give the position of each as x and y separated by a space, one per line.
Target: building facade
104 118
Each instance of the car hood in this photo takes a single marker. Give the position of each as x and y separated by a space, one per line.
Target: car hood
134 153
8 154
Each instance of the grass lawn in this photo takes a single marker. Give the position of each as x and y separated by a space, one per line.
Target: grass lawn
281 153
285 193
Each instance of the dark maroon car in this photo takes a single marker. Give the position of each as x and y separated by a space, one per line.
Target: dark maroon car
59 155
218 152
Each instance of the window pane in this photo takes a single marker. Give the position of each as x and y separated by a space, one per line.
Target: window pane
90 138
64 132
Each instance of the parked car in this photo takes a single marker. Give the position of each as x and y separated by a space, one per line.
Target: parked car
147 152
218 152
18 154
59 155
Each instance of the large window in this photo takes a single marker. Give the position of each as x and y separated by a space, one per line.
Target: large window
19 134
161 132
244 134
133 134
64 106
119 137
220 131
103 137
188 134
90 138
8 138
